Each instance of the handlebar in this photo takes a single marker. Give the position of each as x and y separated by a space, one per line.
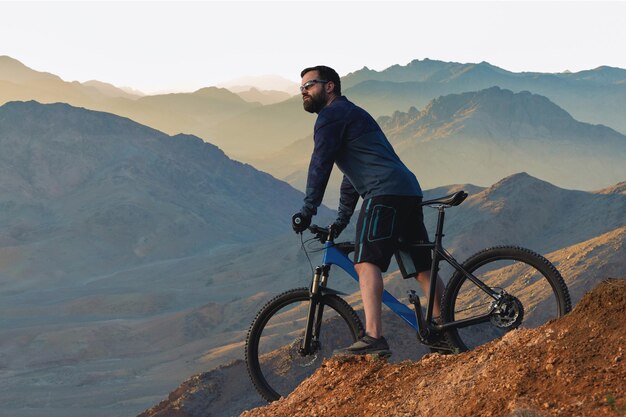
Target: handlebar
321 233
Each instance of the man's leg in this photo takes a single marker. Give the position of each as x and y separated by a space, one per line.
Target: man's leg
371 283
424 280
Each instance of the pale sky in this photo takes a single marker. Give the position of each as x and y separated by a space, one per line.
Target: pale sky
183 46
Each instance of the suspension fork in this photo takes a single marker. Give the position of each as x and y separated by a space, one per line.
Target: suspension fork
310 343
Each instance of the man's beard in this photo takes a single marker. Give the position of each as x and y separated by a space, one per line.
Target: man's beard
315 103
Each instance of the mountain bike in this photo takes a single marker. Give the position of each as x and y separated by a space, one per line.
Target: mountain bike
494 291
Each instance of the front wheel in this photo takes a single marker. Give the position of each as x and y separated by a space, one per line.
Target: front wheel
273 353
529 289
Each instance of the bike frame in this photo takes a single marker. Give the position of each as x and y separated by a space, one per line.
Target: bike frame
333 256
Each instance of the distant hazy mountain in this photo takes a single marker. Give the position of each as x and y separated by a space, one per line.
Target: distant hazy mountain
18 82
593 96
481 136
13 70
534 213
257 129
192 113
494 114
113 91
262 82
263 96
427 70
264 130
92 192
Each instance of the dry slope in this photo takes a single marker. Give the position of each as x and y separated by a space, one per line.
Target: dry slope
575 366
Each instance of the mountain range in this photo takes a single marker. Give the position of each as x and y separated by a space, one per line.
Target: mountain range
480 137
484 135
249 131
119 194
595 96
195 113
262 83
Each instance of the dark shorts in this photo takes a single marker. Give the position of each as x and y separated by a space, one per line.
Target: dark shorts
383 223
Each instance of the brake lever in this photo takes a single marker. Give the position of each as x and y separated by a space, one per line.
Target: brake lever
321 233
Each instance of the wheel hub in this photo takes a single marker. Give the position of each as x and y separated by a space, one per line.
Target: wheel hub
508 312
298 355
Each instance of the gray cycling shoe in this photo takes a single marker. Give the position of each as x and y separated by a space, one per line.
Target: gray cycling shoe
367 345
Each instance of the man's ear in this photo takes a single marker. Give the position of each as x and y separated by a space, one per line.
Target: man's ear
330 86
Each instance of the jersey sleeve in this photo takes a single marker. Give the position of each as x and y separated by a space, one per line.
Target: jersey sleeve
347 201
327 142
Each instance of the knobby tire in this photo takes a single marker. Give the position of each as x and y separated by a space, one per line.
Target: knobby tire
268 381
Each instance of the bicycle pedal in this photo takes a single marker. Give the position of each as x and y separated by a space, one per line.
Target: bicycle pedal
442 346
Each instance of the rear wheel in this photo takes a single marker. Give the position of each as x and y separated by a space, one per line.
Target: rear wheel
273 346
531 292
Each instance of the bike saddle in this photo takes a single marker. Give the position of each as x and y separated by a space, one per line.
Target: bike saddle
449 200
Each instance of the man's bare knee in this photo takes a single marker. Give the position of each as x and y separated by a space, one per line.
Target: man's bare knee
364 267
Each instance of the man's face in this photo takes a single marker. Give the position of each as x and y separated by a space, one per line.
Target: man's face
314 96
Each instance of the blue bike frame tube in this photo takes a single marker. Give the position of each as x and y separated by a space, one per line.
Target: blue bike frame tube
333 256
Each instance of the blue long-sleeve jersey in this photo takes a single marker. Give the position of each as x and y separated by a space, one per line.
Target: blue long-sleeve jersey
348 136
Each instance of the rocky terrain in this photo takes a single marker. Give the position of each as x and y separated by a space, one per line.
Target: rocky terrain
574 366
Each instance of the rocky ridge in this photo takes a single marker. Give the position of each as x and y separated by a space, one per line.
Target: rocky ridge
493 113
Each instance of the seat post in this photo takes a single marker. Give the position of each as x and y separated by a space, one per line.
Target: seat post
434 271
439 233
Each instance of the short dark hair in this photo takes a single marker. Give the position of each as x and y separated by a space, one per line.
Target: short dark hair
326 74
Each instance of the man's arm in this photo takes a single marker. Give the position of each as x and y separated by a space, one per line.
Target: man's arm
327 140
347 202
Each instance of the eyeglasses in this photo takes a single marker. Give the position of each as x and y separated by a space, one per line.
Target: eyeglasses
305 87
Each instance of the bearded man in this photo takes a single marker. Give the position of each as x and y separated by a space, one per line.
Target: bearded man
346 135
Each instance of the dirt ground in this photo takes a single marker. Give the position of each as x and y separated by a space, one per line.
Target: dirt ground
574 366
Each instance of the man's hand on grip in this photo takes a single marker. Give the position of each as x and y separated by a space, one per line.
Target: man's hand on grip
300 222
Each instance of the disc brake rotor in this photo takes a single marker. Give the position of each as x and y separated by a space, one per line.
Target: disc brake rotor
297 358
508 312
